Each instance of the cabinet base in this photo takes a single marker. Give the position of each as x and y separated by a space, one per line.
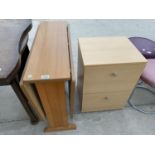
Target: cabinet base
68 127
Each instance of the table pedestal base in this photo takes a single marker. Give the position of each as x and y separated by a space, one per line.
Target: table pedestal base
68 127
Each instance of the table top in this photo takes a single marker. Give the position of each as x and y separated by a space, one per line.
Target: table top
49 57
109 50
12 34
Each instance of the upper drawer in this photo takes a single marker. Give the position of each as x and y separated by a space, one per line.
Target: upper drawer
107 78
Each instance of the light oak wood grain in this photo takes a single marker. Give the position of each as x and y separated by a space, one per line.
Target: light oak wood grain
112 77
49 56
109 50
107 66
104 101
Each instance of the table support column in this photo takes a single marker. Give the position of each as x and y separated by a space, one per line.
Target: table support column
52 95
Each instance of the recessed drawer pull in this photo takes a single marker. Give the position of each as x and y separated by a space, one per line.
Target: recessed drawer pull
113 74
106 98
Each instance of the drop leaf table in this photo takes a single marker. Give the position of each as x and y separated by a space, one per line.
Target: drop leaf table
48 68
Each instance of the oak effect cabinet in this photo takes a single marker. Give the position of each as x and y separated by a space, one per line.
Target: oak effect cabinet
108 70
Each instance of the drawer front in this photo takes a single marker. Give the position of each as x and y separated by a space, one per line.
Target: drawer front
104 101
109 78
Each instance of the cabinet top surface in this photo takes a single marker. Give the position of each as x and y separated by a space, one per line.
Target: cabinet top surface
109 50
49 57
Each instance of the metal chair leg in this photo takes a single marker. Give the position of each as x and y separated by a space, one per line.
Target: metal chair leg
15 85
134 106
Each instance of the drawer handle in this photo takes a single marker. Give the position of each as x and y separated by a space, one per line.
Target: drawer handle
113 74
106 98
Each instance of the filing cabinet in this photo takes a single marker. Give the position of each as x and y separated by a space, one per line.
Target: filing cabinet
108 70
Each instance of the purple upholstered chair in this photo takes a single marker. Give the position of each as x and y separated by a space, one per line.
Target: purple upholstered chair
148 75
145 46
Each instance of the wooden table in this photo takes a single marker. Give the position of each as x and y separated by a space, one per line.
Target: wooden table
49 67
108 70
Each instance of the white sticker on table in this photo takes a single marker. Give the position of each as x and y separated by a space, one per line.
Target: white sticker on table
29 76
45 77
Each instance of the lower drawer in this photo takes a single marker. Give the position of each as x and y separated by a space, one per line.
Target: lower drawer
104 101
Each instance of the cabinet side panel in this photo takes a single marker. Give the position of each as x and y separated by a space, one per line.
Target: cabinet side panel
72 80
80 77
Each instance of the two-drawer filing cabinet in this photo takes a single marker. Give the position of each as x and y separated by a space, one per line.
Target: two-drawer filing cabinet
108 70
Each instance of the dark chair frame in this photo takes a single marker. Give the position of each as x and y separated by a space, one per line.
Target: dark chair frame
14 78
